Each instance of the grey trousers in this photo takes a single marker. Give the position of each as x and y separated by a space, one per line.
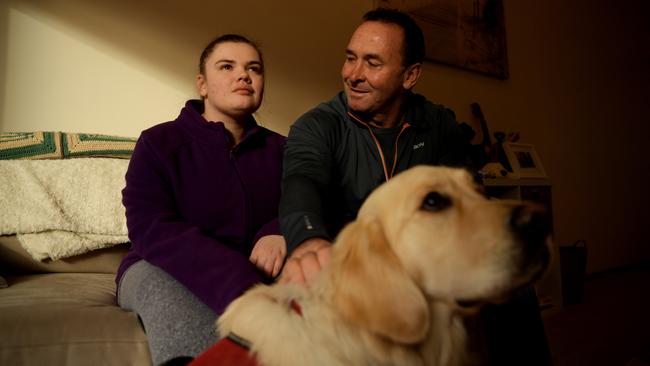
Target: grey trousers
177 324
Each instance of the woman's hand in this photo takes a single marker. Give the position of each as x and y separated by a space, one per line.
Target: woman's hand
268 254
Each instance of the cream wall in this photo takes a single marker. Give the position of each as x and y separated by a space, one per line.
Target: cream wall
121 66
578 87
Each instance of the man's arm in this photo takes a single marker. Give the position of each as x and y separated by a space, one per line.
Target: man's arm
301 210
306 177
307 166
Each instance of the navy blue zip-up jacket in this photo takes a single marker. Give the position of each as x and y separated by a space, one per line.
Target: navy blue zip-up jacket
333 161
195 208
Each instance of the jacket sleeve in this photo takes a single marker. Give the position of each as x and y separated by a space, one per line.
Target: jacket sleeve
212 271
306 176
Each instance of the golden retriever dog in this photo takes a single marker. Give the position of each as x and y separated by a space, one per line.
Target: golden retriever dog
424 247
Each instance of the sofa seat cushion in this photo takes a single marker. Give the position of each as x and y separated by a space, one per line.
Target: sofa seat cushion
15 260
67 319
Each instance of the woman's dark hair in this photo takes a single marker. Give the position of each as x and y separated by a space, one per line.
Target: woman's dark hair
236 38
413 37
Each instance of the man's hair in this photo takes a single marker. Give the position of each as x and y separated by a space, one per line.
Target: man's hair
413 48
235 38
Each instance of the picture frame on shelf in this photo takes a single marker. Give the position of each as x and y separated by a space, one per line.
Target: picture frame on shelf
524 160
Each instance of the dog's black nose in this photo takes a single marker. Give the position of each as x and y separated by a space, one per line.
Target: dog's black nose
530 223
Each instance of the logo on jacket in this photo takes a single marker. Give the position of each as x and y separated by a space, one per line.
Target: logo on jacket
419 145
308 224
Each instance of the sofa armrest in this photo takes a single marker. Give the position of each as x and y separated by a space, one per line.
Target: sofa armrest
15 260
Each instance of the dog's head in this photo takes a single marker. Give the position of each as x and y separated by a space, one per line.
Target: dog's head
428 235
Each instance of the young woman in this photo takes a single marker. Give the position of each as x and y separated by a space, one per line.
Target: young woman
201 200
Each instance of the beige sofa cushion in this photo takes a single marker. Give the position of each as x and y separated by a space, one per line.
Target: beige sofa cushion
15 260
67 319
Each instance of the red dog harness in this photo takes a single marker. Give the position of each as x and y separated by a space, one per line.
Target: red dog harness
229 351
233 350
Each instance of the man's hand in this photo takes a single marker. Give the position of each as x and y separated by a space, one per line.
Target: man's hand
268 254
306 261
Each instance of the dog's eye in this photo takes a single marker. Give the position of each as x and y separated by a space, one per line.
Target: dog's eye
434 202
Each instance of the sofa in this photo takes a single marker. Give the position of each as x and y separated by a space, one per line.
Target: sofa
64 312
62 237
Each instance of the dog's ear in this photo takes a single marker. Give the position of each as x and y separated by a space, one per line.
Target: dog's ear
372 288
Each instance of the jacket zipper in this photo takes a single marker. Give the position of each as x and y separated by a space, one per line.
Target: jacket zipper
405 125
247 226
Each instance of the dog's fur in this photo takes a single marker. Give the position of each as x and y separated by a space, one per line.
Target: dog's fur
423 244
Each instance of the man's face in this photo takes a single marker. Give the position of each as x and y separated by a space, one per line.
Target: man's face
373 72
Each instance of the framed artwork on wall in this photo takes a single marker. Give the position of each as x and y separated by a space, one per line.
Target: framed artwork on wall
468 34
524 160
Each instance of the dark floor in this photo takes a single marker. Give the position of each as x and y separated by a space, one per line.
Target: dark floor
611 327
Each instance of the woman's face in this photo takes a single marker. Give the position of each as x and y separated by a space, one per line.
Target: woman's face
233 83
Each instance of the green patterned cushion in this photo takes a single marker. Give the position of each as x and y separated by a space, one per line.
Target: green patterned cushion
63 145
87 145
30 145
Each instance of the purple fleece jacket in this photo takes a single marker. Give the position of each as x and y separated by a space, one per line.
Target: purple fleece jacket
195 208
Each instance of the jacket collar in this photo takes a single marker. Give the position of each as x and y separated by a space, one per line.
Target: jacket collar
414 114
191 116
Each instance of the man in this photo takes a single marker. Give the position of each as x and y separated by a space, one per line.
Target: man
340 151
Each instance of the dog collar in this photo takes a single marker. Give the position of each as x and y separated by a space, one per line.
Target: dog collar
295 306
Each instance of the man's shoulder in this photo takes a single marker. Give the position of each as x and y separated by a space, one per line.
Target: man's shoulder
424 112
326 115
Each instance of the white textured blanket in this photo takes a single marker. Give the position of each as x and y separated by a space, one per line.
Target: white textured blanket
62 208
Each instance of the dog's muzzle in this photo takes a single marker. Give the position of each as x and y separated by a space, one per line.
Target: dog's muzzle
531 226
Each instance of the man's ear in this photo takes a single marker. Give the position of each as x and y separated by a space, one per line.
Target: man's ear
412 75
201 85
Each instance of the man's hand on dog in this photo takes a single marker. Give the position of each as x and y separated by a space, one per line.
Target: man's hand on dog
268 254
306 261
